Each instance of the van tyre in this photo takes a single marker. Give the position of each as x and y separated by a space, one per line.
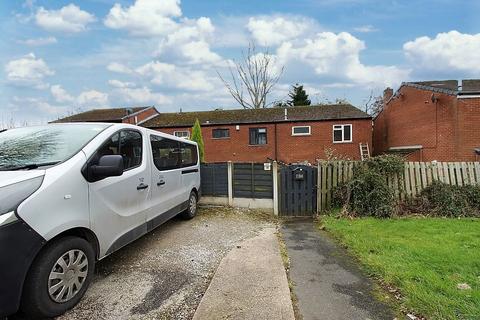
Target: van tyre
192 207
58 278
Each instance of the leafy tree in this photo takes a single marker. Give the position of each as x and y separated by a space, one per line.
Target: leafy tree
298 96
198 138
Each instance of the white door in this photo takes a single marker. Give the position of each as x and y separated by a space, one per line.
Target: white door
166 180
119 205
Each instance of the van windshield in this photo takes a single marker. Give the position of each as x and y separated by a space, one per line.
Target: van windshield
34 147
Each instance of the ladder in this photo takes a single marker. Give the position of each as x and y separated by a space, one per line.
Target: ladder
364 151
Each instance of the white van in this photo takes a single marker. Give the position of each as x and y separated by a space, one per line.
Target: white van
71 194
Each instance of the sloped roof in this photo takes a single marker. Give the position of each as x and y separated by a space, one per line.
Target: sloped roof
101 115
239 116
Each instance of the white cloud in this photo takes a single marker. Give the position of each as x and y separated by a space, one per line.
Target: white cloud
119 68
176 35
269 31
60 95
448 51
191 41
338 56
120 84
141 96
69 19
92 98
365 29
170 75
198 52
29 71
38 41
145 17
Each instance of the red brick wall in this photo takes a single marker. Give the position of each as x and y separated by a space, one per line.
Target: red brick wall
289 148
468 128
413 119
142 115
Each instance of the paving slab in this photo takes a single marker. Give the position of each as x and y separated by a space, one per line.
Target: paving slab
327 283
250 283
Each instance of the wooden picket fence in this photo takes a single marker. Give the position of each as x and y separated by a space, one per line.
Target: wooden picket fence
416 176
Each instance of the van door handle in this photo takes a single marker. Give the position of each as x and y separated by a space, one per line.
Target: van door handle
161 183
142 186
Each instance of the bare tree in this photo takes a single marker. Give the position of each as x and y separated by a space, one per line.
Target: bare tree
252 78
373 104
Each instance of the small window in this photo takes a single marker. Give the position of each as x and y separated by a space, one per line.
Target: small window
128 144
166 153
220 133
301 131
258 136
189 156
182 134
342 133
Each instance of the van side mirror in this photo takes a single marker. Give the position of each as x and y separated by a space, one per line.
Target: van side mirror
108 166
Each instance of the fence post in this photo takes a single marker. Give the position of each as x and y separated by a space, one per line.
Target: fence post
319 188
275 187
230 182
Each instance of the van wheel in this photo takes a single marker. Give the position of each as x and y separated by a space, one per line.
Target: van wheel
58 278
192 207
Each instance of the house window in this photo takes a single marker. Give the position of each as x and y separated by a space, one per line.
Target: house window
301 131
182 134
342 133
220 133
258 136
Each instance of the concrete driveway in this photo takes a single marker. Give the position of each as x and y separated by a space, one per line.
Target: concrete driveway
164 274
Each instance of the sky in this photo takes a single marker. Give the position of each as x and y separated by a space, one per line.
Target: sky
61 57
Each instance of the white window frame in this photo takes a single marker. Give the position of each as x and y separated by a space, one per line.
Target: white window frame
182 132
341 127
302 134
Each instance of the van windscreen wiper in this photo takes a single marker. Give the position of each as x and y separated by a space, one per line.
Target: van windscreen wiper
30 166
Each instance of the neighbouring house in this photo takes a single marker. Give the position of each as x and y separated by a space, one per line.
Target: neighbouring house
290 135
135 115
432 120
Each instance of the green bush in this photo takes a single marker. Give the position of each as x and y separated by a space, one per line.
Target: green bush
442 199
368 193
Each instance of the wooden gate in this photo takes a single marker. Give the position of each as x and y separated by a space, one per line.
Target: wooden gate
298 190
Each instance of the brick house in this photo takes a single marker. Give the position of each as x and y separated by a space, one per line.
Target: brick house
434 120
290 135
116 115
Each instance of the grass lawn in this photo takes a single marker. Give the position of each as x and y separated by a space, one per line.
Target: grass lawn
425 258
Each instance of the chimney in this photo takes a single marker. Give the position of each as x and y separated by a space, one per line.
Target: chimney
387 94
286 114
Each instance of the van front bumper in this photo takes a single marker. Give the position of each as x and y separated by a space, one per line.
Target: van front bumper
19 244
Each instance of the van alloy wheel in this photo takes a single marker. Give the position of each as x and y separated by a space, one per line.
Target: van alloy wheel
193 204
68 275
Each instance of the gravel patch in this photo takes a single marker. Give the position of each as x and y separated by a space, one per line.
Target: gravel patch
164 274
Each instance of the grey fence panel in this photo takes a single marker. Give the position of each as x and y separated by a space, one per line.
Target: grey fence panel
250 180
214 179
298 190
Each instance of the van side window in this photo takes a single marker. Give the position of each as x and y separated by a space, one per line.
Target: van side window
128 144
166 153
131 148
189 155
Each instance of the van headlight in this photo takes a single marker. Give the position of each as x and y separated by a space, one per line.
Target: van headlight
12 196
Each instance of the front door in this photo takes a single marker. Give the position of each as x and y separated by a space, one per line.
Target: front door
118 205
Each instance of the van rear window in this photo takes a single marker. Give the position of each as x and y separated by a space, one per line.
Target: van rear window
171 154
